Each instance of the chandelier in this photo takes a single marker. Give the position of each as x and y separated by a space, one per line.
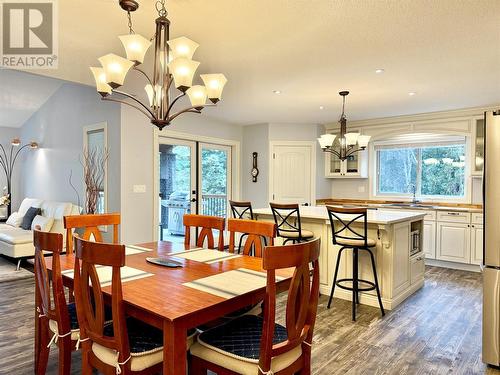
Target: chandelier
347 141
173 65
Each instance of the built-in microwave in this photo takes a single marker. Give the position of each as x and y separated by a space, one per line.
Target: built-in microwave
414 242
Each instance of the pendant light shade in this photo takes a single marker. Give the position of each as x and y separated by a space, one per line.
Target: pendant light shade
183 70
351 138
197 95
135 46
100 81
215 84
182 47
363 140
326 140
115 69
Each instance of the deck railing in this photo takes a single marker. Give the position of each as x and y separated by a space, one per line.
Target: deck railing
214 204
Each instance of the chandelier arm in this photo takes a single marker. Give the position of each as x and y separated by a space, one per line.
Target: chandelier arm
129 104
352 151
137 101
331 151
190 109
172 104
144 74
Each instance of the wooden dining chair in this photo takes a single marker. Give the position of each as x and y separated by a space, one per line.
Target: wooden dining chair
56 321
206 224
254 345
256 231
125 346
289 226
90 224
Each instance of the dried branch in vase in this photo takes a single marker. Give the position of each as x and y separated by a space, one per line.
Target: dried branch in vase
94 172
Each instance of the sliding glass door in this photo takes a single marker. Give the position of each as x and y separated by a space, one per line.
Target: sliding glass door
194 177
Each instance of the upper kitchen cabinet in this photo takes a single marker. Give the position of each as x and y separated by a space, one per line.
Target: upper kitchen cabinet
355 166
478 147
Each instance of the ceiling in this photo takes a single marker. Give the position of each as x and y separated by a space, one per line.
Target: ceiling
21 95
446 51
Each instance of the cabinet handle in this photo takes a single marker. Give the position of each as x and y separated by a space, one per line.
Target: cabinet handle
453 213
468 226
472 226
419 259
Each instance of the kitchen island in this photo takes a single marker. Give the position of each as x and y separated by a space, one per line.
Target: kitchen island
400 261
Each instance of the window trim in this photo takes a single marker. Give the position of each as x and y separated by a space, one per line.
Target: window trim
439 141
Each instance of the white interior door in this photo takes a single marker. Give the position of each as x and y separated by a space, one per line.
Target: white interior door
292 177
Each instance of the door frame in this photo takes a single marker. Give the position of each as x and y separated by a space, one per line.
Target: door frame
312 146
235 163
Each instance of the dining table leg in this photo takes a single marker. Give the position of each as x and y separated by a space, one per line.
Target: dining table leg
174 349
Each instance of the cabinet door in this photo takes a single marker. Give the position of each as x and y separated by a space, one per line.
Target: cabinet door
478 144
429 246
453 242
476 242
401 279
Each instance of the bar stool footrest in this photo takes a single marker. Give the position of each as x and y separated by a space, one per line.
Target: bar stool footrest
360 289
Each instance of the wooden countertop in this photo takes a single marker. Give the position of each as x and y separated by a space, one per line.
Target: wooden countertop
374 216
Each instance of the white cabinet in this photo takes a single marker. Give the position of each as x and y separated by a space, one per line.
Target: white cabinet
355 166
429 245
453 242
417 269
478 147
476 241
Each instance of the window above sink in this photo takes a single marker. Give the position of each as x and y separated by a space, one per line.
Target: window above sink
426 168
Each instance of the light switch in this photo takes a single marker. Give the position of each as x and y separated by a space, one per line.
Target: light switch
139 188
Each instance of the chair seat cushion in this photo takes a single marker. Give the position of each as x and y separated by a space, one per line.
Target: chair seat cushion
295 234
73 321
236 345
146 345
360 243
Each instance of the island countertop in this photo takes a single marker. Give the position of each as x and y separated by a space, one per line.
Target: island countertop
373 216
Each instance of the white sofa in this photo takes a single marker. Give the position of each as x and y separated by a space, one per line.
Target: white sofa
17 243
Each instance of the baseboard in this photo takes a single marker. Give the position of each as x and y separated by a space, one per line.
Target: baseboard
453 265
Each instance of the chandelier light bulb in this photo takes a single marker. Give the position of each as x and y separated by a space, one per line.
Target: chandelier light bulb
101 82
197 95
182 47
135 46
351 138
215 84
183 70
115 69
363 140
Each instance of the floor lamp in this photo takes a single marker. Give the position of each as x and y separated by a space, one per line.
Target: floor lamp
8 161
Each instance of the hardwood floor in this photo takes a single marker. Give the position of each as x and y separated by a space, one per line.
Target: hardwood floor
436 331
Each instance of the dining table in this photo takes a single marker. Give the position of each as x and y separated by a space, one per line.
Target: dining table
166 300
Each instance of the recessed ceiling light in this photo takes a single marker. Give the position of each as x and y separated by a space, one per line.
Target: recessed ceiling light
321 107
412 93
379 71
277 92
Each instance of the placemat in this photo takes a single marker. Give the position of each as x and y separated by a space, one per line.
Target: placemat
131 249
105 274
205 255
231 283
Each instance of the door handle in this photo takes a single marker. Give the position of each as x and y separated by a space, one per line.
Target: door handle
193 199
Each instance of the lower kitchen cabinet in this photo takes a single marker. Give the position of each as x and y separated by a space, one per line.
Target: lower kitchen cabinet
429 245
453 242
417 268
476 241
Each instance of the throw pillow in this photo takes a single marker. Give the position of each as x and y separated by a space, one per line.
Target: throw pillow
29 216
44 222
15 219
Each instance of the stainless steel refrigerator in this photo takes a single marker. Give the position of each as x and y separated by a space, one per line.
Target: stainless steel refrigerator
491 250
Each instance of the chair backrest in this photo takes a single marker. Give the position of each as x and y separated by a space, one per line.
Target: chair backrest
206 223
91 224
256 231
90 299
241 210
286 217
342 221
50 297
302 299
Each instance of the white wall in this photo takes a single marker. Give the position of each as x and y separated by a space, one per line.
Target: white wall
58 127
255 139
137 163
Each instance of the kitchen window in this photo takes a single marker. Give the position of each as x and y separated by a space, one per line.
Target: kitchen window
431 170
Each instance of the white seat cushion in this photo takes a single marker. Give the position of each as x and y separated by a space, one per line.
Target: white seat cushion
75 333
17 236
6 227
305 234
359 243
242 337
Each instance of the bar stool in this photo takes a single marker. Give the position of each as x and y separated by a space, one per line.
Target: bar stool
242 210
344 235
287 219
